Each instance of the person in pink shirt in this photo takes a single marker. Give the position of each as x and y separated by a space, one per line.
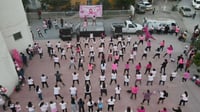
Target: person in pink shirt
134 91
148 67
162 45
138 67
141 109
127 67
114 67
149 45
141 39
169 51
180 64
186 76
90 67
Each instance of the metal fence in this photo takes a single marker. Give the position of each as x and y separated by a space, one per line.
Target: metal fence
106 13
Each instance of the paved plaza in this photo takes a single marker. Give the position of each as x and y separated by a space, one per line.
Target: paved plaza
38 66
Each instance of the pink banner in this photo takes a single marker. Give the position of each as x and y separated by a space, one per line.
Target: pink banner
90 11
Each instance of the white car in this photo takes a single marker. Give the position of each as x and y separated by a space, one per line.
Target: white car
146 4
196 4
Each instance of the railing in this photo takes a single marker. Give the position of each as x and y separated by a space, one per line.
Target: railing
106 13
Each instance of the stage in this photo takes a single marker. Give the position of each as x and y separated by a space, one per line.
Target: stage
95 29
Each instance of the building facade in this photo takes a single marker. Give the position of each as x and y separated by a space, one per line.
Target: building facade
14 34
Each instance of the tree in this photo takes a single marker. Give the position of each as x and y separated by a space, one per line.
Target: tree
105 3
25 4
124 4
56 4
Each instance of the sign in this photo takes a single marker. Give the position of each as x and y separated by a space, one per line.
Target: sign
90 11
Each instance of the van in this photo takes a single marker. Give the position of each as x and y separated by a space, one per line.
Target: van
196 4
158 23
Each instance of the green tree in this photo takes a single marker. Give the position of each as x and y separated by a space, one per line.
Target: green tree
25 4
124 4
105 3
56 4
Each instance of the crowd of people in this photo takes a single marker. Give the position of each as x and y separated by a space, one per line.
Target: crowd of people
106 60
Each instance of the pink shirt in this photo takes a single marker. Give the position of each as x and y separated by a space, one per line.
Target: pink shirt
114 66
162 43
140 110
90 67
138 67
186 75
148 43
148 65
134 90
127 66
181 61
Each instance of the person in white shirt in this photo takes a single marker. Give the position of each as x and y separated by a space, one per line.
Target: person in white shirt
39 92
90 105
115 49
63 53
101 51
30 107
113 77
128 40
103 67
43 79
49 47
103 88
56 91
102 42
56 61
138 78
63 106
131 58
163 79
75 78
58 45
126 79
53 106
154 72
30 83
173 75
119 40
72 63
111 103
69 45
163 95
184 98
92 56
102 78
40 52
150 79
43 106
117 92
87 78
73 90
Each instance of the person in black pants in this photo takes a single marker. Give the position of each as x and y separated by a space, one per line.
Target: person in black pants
163 66
81 105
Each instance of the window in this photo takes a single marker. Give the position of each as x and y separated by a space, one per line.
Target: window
17 36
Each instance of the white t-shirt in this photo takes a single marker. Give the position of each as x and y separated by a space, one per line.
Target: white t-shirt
56 59
53 106
150 77
102 78
103 66
113 76
154 72
30 81
184 97
87 77
163 77
111 102
43 78
139 76
117 90
56 90
75 76
174 74
90 104
126 78
63 105
73 90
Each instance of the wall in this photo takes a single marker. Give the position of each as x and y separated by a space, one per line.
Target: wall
13 19
8 74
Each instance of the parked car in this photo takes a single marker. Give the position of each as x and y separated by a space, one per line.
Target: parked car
159 23
140 9
127 27
70 13
196 4
66 33
186 11
146 4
